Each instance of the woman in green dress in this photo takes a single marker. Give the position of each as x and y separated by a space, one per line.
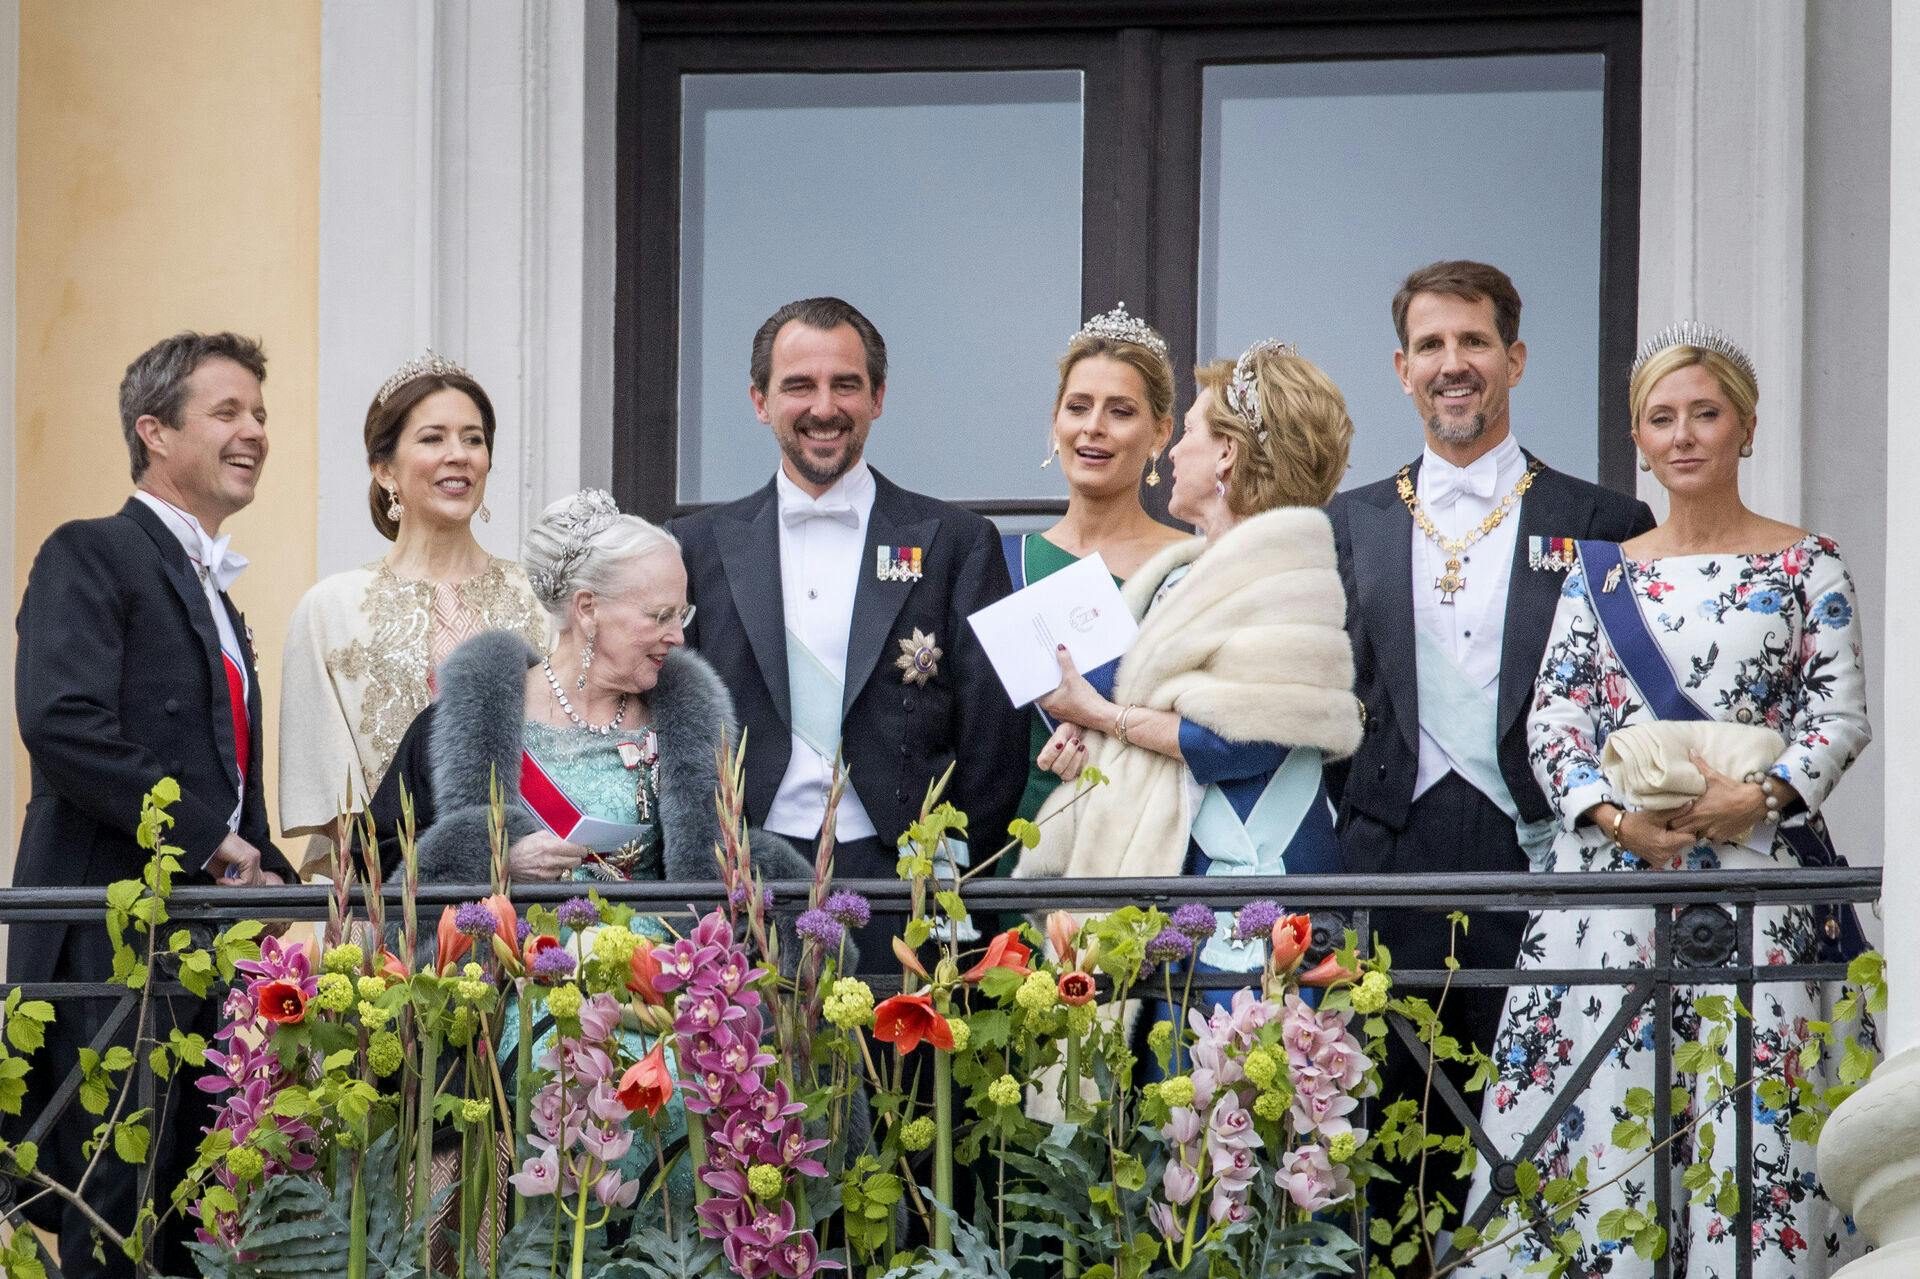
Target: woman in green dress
1112 419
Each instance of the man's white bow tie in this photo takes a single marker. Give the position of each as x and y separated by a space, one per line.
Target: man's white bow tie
220 564
1451 483
840 512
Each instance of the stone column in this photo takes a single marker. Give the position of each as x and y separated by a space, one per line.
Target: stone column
1870 1153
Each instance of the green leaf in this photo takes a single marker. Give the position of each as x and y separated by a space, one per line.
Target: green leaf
130 1142
1856 1063
26 1155
1129 1172
117 1058
1526 1178
1630 1134
1024 831
1640 1103
951 904
918 930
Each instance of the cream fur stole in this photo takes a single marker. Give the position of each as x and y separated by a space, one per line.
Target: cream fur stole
1252 644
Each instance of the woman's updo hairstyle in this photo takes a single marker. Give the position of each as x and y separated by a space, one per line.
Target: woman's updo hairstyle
1134 343
584 543
387 418
1290 424
1683 345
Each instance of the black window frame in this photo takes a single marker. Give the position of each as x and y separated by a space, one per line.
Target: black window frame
1143 62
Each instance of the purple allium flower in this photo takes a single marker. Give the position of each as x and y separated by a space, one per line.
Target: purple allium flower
1255 921
475 920
850 908
552 964
1193 919
577 913
1168 946
820 927
521 931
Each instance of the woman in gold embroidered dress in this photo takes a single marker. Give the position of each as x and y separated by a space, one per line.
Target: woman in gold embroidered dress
363 644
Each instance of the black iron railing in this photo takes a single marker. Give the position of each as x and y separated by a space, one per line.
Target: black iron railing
1703 935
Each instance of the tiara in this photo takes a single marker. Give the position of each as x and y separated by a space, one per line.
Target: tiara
587 513
1695 334
1241 396
419 366
1121 327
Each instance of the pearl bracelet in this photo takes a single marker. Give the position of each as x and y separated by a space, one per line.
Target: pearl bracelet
1768 794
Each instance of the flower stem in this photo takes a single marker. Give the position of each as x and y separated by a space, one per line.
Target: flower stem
943 1146
357 1223
1069 1101
522 1090
697 1151
423 1140
578 1267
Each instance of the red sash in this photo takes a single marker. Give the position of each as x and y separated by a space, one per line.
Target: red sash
543 795
242 730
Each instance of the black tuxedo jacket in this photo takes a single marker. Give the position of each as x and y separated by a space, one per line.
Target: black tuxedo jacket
897 736
118 682
1373 534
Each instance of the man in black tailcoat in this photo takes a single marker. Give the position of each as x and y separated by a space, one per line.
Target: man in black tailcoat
133 665
1453 570
834 603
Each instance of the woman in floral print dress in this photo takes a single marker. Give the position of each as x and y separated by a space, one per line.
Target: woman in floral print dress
1758 621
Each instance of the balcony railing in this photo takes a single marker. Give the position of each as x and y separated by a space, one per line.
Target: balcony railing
1702 936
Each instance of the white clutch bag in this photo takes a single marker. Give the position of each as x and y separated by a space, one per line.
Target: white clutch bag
1647 764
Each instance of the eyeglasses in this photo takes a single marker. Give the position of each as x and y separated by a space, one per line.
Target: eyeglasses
667 616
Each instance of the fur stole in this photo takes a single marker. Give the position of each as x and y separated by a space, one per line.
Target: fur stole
1252 644
476 736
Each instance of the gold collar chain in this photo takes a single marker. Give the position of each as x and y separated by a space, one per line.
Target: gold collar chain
1451 583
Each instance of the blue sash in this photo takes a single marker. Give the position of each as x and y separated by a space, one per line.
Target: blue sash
1256 847
814 696
1839 935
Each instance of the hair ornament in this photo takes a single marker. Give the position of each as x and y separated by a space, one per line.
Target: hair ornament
427 365
1242 398
590 511
1695 334
1118 326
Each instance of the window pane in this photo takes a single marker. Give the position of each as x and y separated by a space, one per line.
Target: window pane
1324 184
946 206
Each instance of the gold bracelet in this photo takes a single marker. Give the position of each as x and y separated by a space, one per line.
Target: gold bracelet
1120 725
1619 815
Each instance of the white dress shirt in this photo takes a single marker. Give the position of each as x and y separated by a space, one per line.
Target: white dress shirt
216 566
1470 629
822 547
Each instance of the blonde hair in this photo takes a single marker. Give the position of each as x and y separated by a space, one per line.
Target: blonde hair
1742 392
1156 372
1306 429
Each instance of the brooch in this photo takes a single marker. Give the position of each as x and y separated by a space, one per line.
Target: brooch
1555 553
1613 579
919 659
897 564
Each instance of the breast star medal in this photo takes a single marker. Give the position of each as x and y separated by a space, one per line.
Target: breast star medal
919 659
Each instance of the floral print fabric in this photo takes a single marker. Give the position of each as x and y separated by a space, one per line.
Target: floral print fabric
1761 639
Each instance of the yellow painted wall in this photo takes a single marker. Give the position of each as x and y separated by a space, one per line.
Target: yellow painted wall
169 178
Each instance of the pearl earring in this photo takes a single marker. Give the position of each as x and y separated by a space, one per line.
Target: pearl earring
1645 465
1746 449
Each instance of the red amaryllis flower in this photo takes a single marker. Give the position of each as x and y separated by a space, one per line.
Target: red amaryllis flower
647 1084
905 1020
1328 972
391 967
1292 934
537 942
641 970
908 960
1076 988
506 919
1004 951
450 944
281 1002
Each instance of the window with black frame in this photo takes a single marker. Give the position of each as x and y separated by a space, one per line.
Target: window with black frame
978 192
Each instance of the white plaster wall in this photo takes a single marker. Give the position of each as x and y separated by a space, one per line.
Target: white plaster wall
9 194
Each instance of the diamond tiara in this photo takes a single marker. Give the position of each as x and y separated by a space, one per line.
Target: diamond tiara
590 511
1241 396
419 366
1694 333
1121 327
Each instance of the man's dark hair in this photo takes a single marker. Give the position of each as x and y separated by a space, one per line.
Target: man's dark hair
156 382
823 314
1469 281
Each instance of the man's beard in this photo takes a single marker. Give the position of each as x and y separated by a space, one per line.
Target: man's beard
1466 433
795 445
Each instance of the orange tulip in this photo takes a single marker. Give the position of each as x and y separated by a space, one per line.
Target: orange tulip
647 1084
1292 934
450 944
1328 972
641 971
905 1020
1004 951
1061 927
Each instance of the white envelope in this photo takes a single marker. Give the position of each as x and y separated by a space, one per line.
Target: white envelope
1079 606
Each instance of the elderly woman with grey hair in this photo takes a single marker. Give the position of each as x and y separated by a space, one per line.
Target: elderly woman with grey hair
606 747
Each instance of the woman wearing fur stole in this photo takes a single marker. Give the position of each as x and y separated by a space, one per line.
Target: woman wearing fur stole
1213 728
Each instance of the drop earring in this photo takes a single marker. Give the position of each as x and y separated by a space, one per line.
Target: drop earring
586 660
486 516
1220 487
1153 472
394 509
1051 454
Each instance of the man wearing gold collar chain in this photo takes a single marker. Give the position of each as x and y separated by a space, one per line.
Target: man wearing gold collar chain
1453 570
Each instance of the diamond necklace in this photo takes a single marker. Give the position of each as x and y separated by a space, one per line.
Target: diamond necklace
598 730
1451 583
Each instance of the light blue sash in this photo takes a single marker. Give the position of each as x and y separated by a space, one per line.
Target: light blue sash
1256 847
1466 723
814 694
